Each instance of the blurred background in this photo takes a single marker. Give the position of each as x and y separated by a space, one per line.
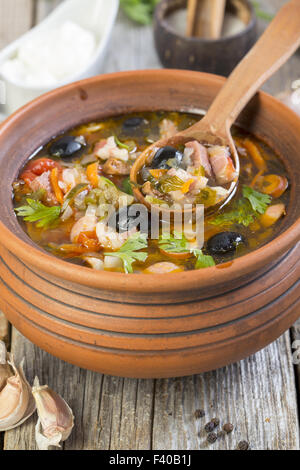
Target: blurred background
75 39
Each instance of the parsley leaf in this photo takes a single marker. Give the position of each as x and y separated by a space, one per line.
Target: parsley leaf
246 210
37 212
176 243
203 261
129 251
258 201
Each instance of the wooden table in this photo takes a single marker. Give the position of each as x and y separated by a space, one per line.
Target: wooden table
258 395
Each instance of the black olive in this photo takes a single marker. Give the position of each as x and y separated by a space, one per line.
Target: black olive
67 146
224 242
122 221
164 154
132 123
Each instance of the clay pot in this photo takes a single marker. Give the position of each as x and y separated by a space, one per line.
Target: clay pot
146 325
205 55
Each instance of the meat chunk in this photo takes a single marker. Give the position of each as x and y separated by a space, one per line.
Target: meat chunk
43 182
85 224
199 157
163 268
167 129
106 149
109 239
113 166
222 164
272 215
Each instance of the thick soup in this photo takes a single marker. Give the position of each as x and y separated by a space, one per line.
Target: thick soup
66 194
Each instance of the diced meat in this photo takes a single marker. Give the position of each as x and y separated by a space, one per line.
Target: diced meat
116 167
272 215
180 173
108 148
43 182
85 224
199 157
222 164
109 239
163 268
167 129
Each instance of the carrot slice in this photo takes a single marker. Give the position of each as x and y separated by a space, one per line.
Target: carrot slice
274 185
255 154
186 186
54 182
157 173
92 174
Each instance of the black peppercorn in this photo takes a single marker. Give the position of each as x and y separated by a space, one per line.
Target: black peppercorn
228 428
209 427
243 445
199 414
212 437
221 434
216 422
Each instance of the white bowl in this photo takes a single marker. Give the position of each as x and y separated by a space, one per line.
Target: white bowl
97 16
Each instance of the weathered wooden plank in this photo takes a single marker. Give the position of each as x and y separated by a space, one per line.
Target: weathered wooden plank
15 19
257 395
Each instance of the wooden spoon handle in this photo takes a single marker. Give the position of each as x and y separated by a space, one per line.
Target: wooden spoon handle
280 40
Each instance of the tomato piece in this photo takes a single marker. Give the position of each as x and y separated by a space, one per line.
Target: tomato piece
89 240
38 167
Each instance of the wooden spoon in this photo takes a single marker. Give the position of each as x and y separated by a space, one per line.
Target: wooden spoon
205 18
276 45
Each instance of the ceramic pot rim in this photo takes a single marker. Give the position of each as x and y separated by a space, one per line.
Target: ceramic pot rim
187 280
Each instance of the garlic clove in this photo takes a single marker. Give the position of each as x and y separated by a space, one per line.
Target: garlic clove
56 419
16 401
5 369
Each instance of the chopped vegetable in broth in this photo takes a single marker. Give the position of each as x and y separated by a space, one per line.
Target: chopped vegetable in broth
72 198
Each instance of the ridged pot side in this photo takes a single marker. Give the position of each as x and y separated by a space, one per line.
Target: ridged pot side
146 326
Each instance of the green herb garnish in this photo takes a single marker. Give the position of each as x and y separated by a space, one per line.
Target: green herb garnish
129 252
126 186
203 261
258 201
37 212
140 11
246 210
176 243
170 183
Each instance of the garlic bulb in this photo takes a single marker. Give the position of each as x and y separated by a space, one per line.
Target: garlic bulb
5 369
292 97
16 400
56 418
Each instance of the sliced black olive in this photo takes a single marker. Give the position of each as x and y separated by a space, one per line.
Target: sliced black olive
67 146
225 242
132 123
163 155
122 221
